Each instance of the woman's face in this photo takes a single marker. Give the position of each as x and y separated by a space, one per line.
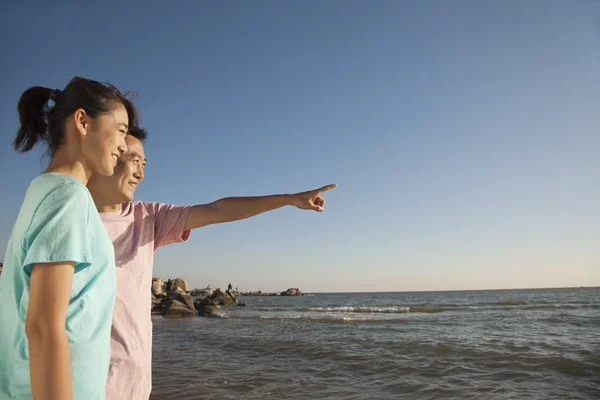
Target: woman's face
105 141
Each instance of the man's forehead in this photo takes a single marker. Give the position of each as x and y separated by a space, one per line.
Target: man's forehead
134 147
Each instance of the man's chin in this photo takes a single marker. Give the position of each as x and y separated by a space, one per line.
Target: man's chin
125 197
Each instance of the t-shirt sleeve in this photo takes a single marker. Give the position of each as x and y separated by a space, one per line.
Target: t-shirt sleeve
59 229
169 221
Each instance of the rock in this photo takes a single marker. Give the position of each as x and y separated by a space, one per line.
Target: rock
179 313
185 299
202 303
174 291
177 282
207 311
241 304
292 292
177 309
230 294
221 299
157 286
208 306
157 310
202 292
257 293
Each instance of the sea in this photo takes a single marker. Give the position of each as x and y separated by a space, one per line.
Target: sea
500 344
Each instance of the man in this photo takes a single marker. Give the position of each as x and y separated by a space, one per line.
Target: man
137 230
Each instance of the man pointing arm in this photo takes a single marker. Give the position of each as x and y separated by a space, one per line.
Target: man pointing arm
236 208
137 230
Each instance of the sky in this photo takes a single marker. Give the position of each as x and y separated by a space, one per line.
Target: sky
463 136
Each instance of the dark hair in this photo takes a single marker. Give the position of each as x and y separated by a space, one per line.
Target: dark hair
42 123
137 132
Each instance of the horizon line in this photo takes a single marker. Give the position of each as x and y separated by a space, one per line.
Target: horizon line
441 290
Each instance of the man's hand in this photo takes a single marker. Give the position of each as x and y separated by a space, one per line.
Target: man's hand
311 200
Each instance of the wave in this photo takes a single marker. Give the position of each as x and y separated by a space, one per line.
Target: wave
342 319
503 303
434 309
551 307
427 309
361 310
375 310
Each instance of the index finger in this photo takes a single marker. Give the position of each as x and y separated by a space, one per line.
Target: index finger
328 187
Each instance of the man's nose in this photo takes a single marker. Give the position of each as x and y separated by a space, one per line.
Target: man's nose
139 173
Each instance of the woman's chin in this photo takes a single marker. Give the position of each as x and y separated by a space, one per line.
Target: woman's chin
105 171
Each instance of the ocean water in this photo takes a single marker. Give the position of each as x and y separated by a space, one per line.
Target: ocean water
507 344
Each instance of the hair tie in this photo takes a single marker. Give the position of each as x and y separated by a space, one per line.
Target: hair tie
54 95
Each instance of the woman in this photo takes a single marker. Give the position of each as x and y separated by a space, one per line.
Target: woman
57 287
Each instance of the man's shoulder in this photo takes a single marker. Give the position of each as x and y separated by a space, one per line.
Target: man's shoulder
133 214
151 207
130 211
139 209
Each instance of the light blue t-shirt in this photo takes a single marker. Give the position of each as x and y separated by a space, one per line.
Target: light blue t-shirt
59 222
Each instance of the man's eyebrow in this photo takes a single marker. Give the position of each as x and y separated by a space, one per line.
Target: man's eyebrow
136 154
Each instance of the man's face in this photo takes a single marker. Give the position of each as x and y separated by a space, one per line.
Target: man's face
129 171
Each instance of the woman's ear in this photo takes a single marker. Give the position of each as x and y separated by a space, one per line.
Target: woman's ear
82 121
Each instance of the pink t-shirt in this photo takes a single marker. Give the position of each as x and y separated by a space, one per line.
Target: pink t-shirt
137 231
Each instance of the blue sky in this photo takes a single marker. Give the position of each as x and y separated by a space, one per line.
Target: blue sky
463 135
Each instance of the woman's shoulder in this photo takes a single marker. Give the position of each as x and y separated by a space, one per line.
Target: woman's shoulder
56 195
57 185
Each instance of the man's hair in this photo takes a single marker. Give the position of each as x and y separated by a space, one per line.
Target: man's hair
137 132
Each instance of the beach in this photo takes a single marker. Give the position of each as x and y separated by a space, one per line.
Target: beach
534 344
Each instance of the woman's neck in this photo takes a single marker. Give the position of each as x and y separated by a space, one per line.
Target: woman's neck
64 162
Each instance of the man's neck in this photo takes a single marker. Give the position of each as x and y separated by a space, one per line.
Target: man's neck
103 202
108 207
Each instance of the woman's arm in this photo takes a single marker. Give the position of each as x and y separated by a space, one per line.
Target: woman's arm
50 363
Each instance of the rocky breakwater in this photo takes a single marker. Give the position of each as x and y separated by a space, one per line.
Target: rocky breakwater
289 292
171 299
209 305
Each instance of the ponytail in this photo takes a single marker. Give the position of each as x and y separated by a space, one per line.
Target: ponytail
33 115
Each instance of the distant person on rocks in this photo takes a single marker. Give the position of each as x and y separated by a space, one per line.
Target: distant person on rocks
137 230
